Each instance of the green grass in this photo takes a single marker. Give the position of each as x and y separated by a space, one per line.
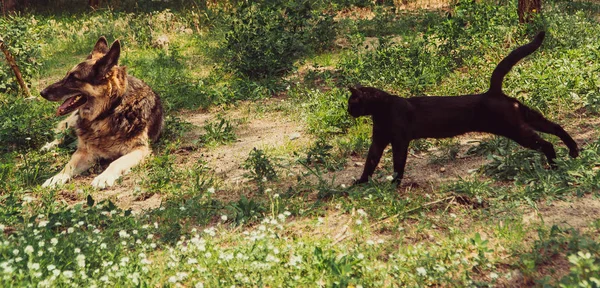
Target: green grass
295 221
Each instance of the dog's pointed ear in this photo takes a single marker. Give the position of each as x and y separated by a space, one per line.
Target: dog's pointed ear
101 47
354 91
108 61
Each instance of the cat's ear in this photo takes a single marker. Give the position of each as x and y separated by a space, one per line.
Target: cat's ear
354 91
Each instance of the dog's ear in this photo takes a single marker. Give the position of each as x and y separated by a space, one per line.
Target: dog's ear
101 47
104 64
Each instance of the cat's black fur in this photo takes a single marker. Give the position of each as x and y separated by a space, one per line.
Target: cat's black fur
398 120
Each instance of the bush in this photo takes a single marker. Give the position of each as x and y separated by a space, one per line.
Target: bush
266 38
22 40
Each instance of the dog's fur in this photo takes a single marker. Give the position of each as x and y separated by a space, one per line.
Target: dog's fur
114 115
398 121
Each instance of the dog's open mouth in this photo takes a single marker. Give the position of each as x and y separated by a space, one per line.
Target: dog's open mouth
71 104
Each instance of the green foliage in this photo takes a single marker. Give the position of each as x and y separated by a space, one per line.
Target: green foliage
320 154
326 111
219 131
266 38
245 211
260 167
21 38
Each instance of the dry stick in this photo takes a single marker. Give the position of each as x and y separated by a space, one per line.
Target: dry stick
396 215
15 68
411 210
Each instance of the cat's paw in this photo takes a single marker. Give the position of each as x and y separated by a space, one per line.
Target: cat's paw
57 180
105 180
574 153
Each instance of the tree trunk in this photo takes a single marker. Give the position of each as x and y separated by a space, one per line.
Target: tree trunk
8 6
527 8
93 3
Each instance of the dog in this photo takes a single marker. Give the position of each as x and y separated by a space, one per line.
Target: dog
114 116
398 120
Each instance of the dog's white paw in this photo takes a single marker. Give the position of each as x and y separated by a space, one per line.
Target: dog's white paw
50 145
106 179
57 180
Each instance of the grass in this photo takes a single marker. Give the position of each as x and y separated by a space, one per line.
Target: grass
295 220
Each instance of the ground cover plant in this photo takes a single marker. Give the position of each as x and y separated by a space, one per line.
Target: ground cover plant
250 184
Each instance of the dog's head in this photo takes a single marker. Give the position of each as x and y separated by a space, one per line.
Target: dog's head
356 105
90 85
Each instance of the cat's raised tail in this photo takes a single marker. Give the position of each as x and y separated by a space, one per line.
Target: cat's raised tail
509 61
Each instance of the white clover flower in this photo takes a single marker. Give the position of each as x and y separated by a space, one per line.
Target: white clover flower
135 232
276 195
2 227
358 222
223 218
421 271
16 252
51 267
145 261
149 237
207 254
102 245
211 190
68 274
56 272
28 249
43 223
173 279
199 285
343 186
287 213
370 242
182 208
104 279
70 230
123 234
389 178
362 212
35 266
80 260
494 275
192 261
96 231
40 253
360 256
77 250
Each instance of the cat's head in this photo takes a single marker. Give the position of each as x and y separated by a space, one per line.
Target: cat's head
356 105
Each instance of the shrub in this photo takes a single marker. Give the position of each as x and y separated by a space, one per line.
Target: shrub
22 40
266 38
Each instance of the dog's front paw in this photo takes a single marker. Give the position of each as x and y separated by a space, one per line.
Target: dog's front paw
57 180
106 179
50 145
574 153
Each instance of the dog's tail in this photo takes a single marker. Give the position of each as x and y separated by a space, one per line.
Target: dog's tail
509 61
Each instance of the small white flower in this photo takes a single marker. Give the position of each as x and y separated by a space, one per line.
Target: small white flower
211 190
199 285
103 246
493 275
35 266
42 223
275 195
172 279
77 250
361 212
68 274
370 242
421 271
56 272
389 178
358 222
2 227
123 234
182 208
80 260
360 256
51 267
70 230
224 218
29 249
16 252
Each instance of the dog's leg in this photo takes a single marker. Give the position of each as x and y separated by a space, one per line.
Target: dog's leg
400 150
120 167
380 141
539 123
62 126
80 161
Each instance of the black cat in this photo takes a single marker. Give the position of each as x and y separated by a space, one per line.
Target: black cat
398 120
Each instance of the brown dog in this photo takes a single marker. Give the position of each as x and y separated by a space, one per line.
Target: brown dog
114 115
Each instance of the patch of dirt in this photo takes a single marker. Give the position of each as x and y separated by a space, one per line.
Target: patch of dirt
577 214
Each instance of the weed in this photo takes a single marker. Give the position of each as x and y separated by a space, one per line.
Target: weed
260 168
245 211
220 131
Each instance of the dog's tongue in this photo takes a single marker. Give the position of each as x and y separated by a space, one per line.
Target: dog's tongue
69 105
